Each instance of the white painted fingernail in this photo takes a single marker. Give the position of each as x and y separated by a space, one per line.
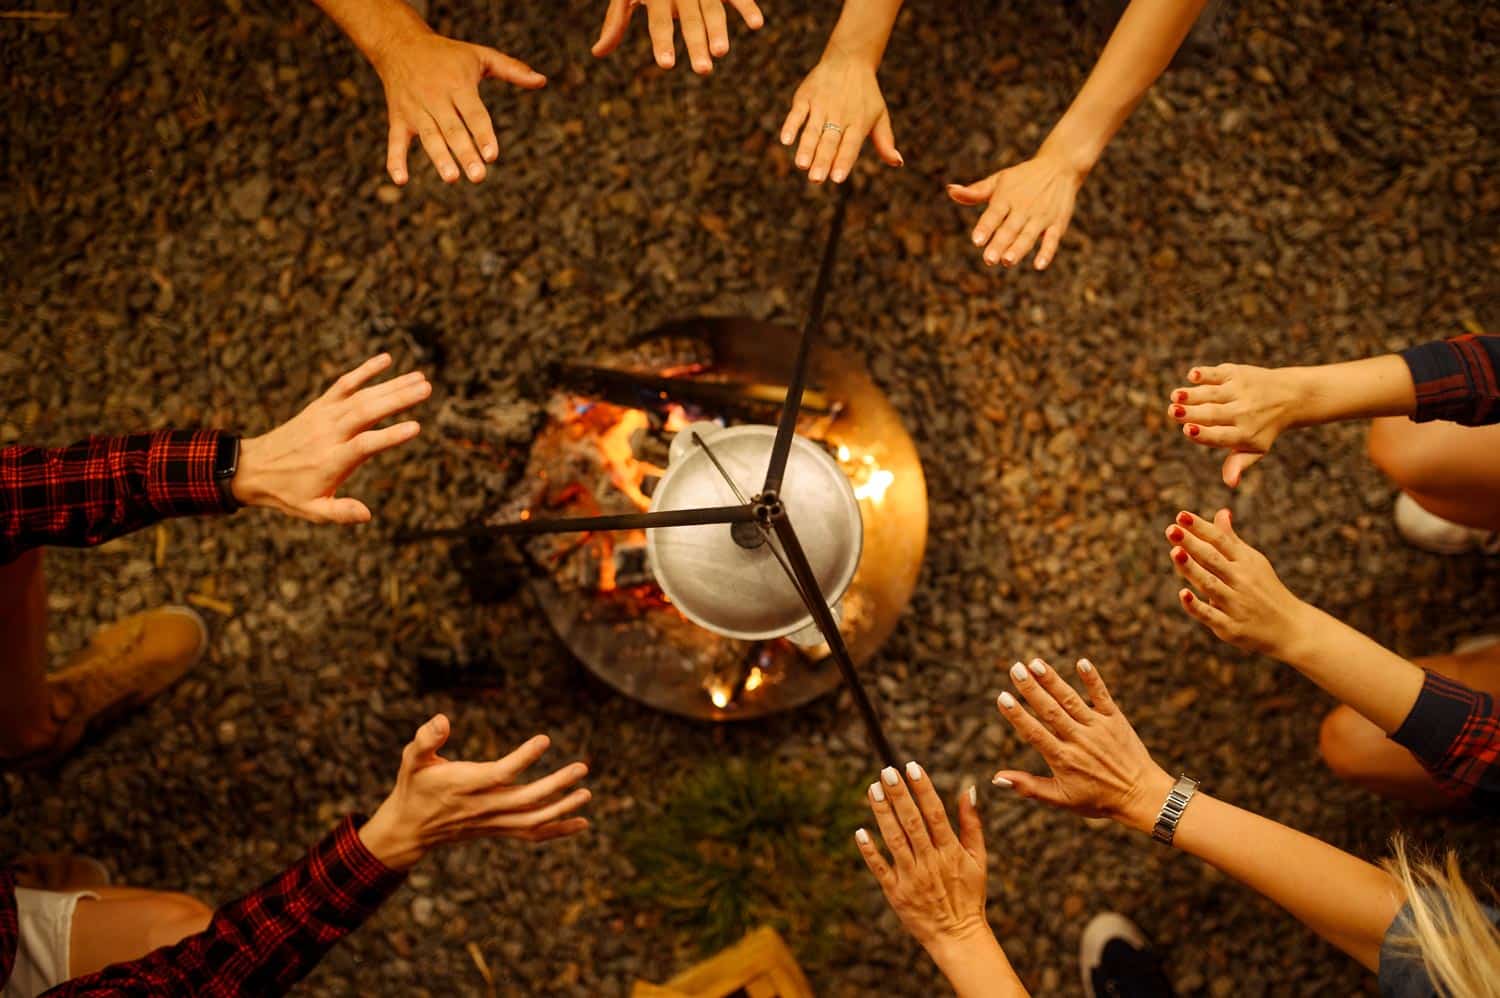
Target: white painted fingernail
1002 783
973 796
862 837
1018 672
1085 666
1007 701
1038 667
877 792
913 772
890 776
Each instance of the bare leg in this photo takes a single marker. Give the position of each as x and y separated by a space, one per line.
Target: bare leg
1360 752
1451 471
126 923
26 720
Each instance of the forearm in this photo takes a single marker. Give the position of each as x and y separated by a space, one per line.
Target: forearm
1139 49
977 968
1356 670
1346 901
372 24
864 27
1357 389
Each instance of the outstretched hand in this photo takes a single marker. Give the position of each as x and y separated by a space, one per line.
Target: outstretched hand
432 94
705 28
1100 767
1238 595
436 801
1240 408
1026 202
299 466
842 91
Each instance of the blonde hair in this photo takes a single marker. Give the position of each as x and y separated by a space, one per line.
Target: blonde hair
1449 931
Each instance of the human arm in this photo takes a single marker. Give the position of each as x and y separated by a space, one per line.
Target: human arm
935 880
1101 768
265 942
705 28
843 90
1034 200
1452 729
431 86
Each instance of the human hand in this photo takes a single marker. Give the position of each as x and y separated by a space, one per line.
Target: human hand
432 94
1239 596
299 466
841 90
1027 201
936 880
705 28
436 801
1240 408
1100 768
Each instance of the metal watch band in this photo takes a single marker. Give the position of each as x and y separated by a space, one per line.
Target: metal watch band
1171 810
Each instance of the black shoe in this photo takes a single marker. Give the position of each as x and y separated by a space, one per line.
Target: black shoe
1118 961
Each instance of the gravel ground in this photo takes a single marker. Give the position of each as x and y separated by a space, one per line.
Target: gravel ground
198 231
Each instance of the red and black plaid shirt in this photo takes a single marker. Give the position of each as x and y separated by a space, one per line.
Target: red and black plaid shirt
103 487
1456 380
1455 734
261 944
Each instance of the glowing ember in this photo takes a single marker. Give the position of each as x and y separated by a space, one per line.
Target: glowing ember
874 487
720 696
754 680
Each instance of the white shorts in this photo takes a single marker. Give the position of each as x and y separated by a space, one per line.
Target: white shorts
46 932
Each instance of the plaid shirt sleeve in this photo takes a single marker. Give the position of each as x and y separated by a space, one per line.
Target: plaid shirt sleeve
267 941
1456 379
103 487
1454 732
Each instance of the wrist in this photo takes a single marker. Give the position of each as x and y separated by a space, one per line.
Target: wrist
1301 634
247 486
1142 805
954 949
394 33
386 837
1073 148
1306 403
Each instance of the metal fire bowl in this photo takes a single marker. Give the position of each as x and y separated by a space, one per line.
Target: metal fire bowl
659 657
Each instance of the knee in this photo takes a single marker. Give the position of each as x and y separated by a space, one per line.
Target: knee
1394 449
1347 742
174 917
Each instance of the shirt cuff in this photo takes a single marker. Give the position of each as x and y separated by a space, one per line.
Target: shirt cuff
180 473
356 882
1455 379
1431 730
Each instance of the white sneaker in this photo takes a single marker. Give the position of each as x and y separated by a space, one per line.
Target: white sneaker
1433 533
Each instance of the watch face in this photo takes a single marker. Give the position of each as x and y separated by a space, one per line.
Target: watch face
227 457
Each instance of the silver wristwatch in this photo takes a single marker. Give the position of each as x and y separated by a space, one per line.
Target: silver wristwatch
1171 811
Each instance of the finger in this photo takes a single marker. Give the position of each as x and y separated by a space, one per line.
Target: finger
930 805
750 12
1209 585
883 138
794 119
659 23
541 815
976 193
828 147
1210 531
342 510
1066 697
890 827
397 142
1029 728
1043 788
477 120
456 134
372 442
1098 693
372 405
716 24
347 384
847 153
1199 394
424 745
984 230
1050 240
526 795
884 875
907 813
1005 236
694 35
1209 375
970 827
497 65
507 768
1212 436
1236 463
1211 617
1048 710
552 830
1197 549
1023 242
1204 414
612 33
437 150
812 130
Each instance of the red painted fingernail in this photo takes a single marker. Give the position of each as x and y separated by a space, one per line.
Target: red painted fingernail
1192 430
1193 375
1174 535
1186 519
1182 396
1180 557
1187 597
1178 411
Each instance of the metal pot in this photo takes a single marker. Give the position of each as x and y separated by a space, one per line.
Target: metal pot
738 591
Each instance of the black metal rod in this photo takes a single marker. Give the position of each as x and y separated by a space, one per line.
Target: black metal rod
654 391
793 404
812 595
627 521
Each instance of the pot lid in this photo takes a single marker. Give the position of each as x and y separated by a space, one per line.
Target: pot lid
744 592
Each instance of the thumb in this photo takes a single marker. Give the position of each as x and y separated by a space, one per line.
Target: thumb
970 828
1224 520
613 32
346 511
1043 788
1235 465
883 138
502 67
429 738
976 193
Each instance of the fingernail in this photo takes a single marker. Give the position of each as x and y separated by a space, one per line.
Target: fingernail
914 772
1178 411
817 175
1007 701
1180 557
1181 396
1038 667
1186 519
490 152
877 792
973 796
862 837
1008 261
1002 782
978 239
1174 535
450 175
890 776
1192 430
1085 666
476 172
1041 263
1193 375
900 159
666 59
786 139
1187 597
399 177
802 163
1018 672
